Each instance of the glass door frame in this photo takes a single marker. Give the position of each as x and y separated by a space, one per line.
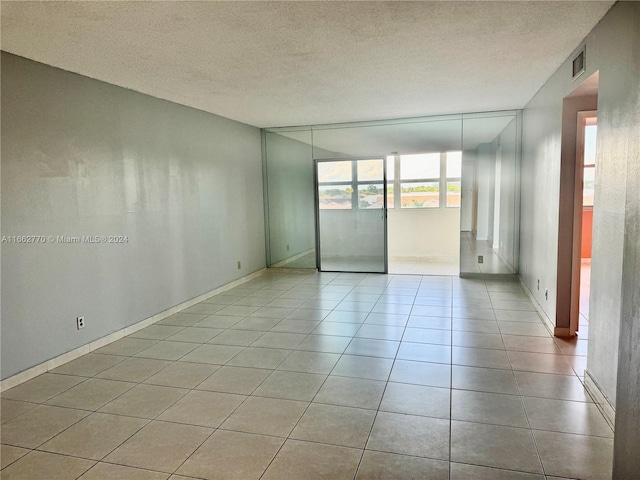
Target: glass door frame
354 201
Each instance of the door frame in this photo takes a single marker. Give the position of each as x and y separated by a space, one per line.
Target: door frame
354 181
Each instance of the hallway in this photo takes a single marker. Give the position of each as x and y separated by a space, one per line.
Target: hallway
314 375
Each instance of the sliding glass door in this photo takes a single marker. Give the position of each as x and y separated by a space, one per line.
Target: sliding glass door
351 218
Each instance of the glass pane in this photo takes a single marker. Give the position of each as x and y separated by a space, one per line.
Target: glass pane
334 172
454 164
371 196
420 195
390 198
590 132
454 190
334 197
369 170
588 186
421 166
390 168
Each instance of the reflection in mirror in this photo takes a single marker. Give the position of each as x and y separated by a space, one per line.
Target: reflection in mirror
289 199
489 227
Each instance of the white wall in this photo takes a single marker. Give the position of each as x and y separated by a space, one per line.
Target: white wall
423 232
82 157
612 48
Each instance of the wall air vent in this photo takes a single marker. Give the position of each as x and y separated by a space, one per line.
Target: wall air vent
578 64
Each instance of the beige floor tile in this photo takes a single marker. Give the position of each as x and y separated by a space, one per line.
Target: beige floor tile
91 395
370 368
41 465
493 408
232 456
266 416
95 436
421 373
484 380
160 446
256 323
134 369
440 323
523 328
416 400
427 335
373 348
182 319
291 385
144 401
410 435
156 332
88 365
562 387
108 471
217 321
242 338
208 409
381 332
279 340
313 461
259 357
308 314
324 343
212 354
424 352
466 472
494 446
12 408
337 329
351 392
9 454
195 335
42 388
295 326
343 426
522 343
310 362
126 346
575 456
167 350
477 340
182 375
39 425
240 380
539 362
480 357
389 466
566 416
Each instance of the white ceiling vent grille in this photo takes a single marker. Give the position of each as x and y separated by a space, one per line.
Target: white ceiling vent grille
578 64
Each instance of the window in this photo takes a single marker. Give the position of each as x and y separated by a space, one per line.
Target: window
346 185
589 177
428 180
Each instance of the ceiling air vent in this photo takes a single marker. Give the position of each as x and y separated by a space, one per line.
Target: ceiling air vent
578 65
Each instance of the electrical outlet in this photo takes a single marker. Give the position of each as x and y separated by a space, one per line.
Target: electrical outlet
239 265
287 247
80 322
538 284
546 294
480 259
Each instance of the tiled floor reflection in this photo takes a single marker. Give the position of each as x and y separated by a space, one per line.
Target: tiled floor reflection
320 376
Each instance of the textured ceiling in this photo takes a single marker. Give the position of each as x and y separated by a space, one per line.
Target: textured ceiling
299 63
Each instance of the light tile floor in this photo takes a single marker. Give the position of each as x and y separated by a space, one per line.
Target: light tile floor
320 376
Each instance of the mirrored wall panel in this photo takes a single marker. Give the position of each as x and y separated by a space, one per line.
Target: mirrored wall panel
452 191
490 219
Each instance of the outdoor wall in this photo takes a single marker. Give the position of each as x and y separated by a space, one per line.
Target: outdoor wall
82 157
423 232
611 49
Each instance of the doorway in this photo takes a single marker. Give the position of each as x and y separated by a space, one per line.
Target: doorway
351 215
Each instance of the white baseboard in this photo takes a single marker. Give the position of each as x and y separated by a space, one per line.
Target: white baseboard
55 362
286 261
600 399
545 318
